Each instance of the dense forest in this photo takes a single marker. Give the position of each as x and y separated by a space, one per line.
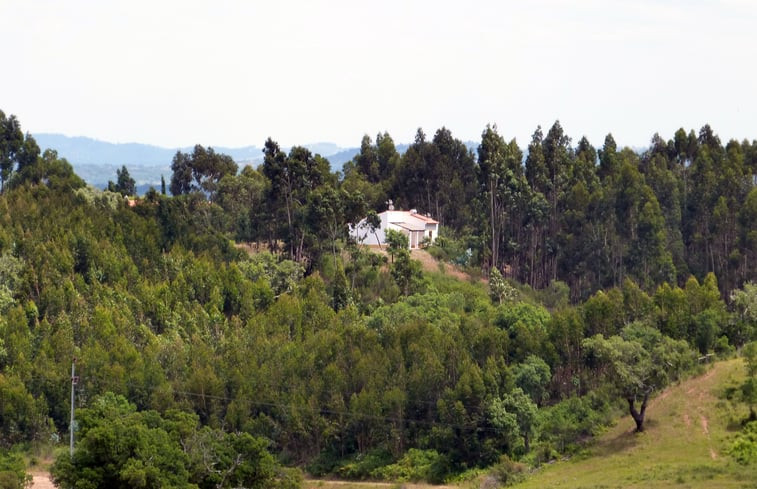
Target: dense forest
233 329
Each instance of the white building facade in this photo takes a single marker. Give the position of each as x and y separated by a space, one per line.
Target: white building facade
415 226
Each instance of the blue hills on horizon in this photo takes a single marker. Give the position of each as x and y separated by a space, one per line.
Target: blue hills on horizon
97 161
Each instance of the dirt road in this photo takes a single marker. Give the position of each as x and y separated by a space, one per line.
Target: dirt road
41 480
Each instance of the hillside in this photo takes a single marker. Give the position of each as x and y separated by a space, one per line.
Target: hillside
683 446
687 434
318 357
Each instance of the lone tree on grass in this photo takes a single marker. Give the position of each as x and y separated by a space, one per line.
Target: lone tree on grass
639 365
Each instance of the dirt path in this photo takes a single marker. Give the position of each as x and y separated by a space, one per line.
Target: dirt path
705 425
697 395
41 480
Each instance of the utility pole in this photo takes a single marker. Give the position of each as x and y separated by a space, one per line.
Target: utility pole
74 381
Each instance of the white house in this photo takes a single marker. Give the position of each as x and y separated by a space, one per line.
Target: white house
412 224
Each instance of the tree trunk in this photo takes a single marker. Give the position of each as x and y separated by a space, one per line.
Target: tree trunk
638 416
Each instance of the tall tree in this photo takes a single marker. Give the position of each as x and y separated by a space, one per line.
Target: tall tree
549 166
125 185
200 172
416 184
456 181
17 152
502 188
292 178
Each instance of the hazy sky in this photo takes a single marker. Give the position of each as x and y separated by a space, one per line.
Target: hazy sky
232 73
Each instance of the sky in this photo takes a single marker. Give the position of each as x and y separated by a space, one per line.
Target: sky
233 73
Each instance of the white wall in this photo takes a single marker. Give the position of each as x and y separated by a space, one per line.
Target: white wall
363 234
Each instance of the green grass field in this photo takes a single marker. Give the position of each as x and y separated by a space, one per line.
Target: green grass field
687 432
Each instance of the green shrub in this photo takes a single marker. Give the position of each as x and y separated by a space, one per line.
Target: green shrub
12 471
744 448
365 465
565 425
416 465
508 472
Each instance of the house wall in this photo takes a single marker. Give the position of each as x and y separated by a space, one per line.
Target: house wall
362 232
432 232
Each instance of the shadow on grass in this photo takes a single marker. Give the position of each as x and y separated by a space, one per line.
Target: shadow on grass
626 440
622 442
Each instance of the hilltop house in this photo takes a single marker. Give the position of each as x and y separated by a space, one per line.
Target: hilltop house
412 224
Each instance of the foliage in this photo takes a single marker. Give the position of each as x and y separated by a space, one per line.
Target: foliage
10 275
122 447
124 185
572 422
23 417
508 472
670 453
639 364
744 321
199 171
416 465
499 290
13 471
221 459
533 376
744 447
364 465
405 271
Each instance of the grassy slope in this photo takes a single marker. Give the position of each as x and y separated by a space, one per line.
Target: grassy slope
686 435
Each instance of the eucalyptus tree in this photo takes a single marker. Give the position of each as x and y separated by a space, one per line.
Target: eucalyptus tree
502 190
17 151
200 171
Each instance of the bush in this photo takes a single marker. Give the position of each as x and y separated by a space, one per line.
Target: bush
456 251
744 448
288 478
508 472
567 423
415 466
12 471
365 465
540 454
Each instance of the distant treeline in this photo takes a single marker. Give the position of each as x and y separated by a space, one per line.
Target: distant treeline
586 217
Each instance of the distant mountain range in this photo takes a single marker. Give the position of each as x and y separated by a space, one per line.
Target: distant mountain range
97 161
